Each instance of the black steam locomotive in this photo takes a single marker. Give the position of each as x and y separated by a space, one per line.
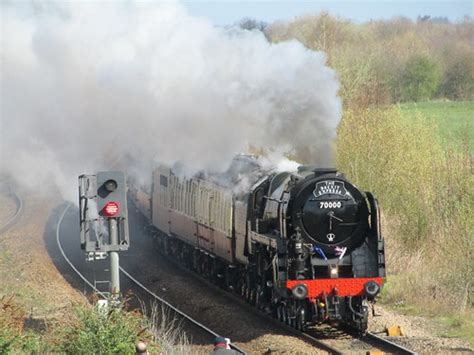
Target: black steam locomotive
304 245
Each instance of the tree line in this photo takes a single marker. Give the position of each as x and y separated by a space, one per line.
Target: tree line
387 61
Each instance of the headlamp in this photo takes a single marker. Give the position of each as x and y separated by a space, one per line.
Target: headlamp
371 289
300 291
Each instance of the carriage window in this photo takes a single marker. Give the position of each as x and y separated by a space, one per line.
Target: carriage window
163 180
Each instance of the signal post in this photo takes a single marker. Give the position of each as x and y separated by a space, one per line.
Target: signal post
103 203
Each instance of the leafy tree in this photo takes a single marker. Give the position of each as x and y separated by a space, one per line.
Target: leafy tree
385 61
252 24
420 78
458 82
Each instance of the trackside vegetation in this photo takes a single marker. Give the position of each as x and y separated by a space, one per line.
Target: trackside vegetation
14 337
101 331
91 330
426 190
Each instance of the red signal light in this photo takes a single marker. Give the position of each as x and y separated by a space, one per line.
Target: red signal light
111 209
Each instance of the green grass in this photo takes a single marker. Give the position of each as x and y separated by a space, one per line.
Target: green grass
454 118
459 327
451 325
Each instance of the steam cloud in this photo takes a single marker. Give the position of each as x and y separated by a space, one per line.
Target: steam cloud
90 86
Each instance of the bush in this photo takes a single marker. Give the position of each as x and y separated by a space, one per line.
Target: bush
426 194
390 60
395 157
97 331
458 83
420 79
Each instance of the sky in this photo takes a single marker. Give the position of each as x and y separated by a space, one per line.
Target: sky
224 12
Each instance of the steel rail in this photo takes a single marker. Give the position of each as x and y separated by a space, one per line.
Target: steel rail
138 283
58 241
18 212
178 311
370 338
321 344
264 316
397 348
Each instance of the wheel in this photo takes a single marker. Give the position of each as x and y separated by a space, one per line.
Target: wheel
287 316
300 319
242 290
279 313
247 293
258 297
253 297
283 314
292 316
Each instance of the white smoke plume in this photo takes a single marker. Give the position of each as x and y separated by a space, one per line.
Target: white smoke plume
86 84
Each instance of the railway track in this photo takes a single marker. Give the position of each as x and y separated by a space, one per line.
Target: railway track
337 342
334 343
212 334
19 209
397 348
343 343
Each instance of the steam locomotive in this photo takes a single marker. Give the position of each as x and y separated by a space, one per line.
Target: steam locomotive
304 245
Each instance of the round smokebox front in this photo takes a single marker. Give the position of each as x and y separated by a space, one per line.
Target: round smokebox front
330 213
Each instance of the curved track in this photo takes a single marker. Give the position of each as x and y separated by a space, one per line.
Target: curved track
183 315
333 342
19 209
58 241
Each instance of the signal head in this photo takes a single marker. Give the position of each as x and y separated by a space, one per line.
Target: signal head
111 209
110 185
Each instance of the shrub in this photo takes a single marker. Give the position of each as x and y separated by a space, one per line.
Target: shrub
395 157
420 79
458 82
390 60
426 194
95 331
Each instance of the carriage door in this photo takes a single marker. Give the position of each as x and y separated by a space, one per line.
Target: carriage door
205 235
161 199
